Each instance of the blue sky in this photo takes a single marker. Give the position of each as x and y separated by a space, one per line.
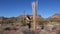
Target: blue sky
11 8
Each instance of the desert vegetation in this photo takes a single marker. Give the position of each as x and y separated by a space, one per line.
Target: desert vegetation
19 26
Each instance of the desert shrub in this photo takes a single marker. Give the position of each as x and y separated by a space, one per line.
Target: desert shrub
23 22
54 20
42 21
8 21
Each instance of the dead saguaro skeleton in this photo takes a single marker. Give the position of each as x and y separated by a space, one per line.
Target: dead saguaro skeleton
34 9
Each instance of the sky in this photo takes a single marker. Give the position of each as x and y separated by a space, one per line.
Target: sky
14 8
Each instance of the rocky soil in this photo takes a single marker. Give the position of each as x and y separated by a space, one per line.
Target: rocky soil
50 28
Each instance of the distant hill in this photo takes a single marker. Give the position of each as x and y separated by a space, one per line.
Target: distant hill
55 16
2 18
16 19
31 16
